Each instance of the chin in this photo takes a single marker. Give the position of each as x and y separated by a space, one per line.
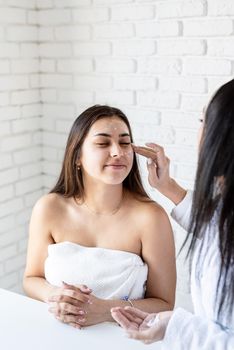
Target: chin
115 181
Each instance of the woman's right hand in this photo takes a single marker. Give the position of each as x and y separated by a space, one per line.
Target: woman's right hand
158 165
67 303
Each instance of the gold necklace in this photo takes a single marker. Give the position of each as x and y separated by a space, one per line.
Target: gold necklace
105 214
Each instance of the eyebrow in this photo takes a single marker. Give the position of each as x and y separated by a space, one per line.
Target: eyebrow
108 135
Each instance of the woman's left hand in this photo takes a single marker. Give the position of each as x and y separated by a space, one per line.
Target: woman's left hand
76 312
140 325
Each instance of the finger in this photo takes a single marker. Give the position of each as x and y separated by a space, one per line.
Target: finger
70 294
122 320
154 146
136 312
75 325
145 152
71 319
147 336
65 308
138 335
152 173
82 287
132 318
161 159
67 300
128 316
151 164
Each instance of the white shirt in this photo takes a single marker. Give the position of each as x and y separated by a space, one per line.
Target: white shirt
201 330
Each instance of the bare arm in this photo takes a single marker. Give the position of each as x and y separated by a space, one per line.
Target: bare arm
158 252
34 282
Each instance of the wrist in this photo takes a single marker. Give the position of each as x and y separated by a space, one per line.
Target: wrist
174 192
106 306
109 304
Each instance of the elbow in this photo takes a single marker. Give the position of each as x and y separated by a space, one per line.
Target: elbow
170 305
24 284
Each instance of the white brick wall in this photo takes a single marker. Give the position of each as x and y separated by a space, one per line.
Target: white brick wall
157 60
20 121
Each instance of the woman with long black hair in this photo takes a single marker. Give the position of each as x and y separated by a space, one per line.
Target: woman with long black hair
208 216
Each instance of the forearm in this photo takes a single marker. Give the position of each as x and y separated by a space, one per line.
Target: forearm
151 305
173 191
37 288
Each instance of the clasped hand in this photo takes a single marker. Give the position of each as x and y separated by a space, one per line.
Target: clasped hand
75 305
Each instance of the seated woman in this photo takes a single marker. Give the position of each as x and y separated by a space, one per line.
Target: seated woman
97 240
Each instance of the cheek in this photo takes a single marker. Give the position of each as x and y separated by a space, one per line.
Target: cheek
129 155
94 158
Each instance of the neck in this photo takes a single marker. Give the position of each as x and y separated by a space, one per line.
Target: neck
104 200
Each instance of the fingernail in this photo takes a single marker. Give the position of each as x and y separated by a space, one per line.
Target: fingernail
89 302
149 161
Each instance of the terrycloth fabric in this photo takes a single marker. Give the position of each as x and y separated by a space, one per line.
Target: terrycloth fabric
111 274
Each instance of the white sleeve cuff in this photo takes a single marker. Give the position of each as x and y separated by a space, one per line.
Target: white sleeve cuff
181 213
179 320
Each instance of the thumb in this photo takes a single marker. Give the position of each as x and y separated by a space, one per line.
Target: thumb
151 166
152 172
82 287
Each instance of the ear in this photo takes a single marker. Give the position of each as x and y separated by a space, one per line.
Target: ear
78 164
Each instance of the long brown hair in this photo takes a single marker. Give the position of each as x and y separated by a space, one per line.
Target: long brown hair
70 182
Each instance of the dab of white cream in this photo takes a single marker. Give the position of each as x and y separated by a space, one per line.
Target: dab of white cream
153 321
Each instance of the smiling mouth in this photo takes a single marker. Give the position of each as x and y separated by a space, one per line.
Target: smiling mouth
115 166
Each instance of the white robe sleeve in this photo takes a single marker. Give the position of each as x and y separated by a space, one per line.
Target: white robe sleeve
181 213
188 331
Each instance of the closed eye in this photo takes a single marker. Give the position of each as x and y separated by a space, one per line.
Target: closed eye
106 143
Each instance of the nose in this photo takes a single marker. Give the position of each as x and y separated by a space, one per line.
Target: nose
116 151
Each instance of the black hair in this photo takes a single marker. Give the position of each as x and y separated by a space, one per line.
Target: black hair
213 199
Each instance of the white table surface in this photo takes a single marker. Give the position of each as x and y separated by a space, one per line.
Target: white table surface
26 324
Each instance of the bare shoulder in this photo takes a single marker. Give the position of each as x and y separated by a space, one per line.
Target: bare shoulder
49 204
155 228
151 212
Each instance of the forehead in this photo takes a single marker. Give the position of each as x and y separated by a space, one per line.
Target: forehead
109 125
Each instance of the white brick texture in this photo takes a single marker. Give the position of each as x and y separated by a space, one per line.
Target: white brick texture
20 121
159 61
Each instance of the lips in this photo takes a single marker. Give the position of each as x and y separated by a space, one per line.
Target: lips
116 166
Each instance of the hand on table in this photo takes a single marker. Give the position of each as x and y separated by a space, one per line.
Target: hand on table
142 325
76 306
67 304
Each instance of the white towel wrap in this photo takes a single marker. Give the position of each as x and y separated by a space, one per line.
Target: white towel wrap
111 274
